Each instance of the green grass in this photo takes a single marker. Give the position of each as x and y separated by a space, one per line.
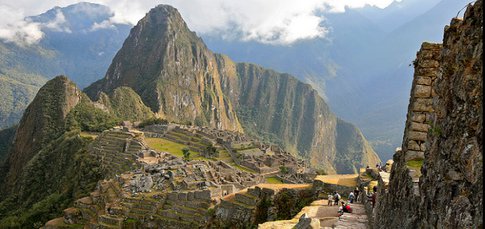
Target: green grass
242 168
173 148
415 164
88 135
273 180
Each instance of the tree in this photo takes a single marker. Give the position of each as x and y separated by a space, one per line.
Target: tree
186 153
211 151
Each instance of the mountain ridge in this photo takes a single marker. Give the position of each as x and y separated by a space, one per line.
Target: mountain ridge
181 80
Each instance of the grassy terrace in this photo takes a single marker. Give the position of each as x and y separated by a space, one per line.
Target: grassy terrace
242 168
89 135
173 148
274 180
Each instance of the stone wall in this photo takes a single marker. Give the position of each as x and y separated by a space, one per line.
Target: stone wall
444 132
452 181
420 109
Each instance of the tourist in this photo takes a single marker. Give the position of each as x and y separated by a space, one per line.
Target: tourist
356 193
330 199
351 197
374 196
344 208
336 197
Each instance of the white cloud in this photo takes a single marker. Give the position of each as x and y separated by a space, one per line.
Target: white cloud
266 21
14 28
58 24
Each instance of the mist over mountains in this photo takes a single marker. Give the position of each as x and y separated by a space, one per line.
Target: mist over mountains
362 66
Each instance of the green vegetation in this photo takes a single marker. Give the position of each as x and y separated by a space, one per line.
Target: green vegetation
211 151
434 130
152 121
186 153
87 117
6 138
46 190
126 104
289 202
274 180
284 170
415 164
242 168
168 146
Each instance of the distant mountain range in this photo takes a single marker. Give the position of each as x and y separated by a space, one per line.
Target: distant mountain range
75 43
361 67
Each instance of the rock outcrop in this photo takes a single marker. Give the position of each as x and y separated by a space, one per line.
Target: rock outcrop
172 70
436 180
181 80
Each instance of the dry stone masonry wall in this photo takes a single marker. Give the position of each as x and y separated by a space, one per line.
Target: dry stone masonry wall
436 179
420 110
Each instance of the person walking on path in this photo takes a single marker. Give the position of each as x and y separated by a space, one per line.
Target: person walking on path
356 193
336 197
330 199
351 197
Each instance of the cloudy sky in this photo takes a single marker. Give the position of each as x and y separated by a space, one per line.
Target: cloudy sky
267 21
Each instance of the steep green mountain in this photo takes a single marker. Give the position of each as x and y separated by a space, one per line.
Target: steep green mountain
75 47
47 165
44 167
180 79
172 70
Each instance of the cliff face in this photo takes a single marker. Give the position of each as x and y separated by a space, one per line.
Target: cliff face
180 79
452 183
43 120
436 180
278 107
172 70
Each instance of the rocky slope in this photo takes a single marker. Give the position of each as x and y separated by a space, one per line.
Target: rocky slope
180 79
445 190
172 70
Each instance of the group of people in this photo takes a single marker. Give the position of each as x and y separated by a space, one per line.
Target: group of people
335 198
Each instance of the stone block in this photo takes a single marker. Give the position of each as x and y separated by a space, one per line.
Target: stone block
428 63
418 117
421 127
422 91
172 196
417 136
182 196
217 192
203 195
413 145
423 80
254 191
422 105
411 155
190 196
422 147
